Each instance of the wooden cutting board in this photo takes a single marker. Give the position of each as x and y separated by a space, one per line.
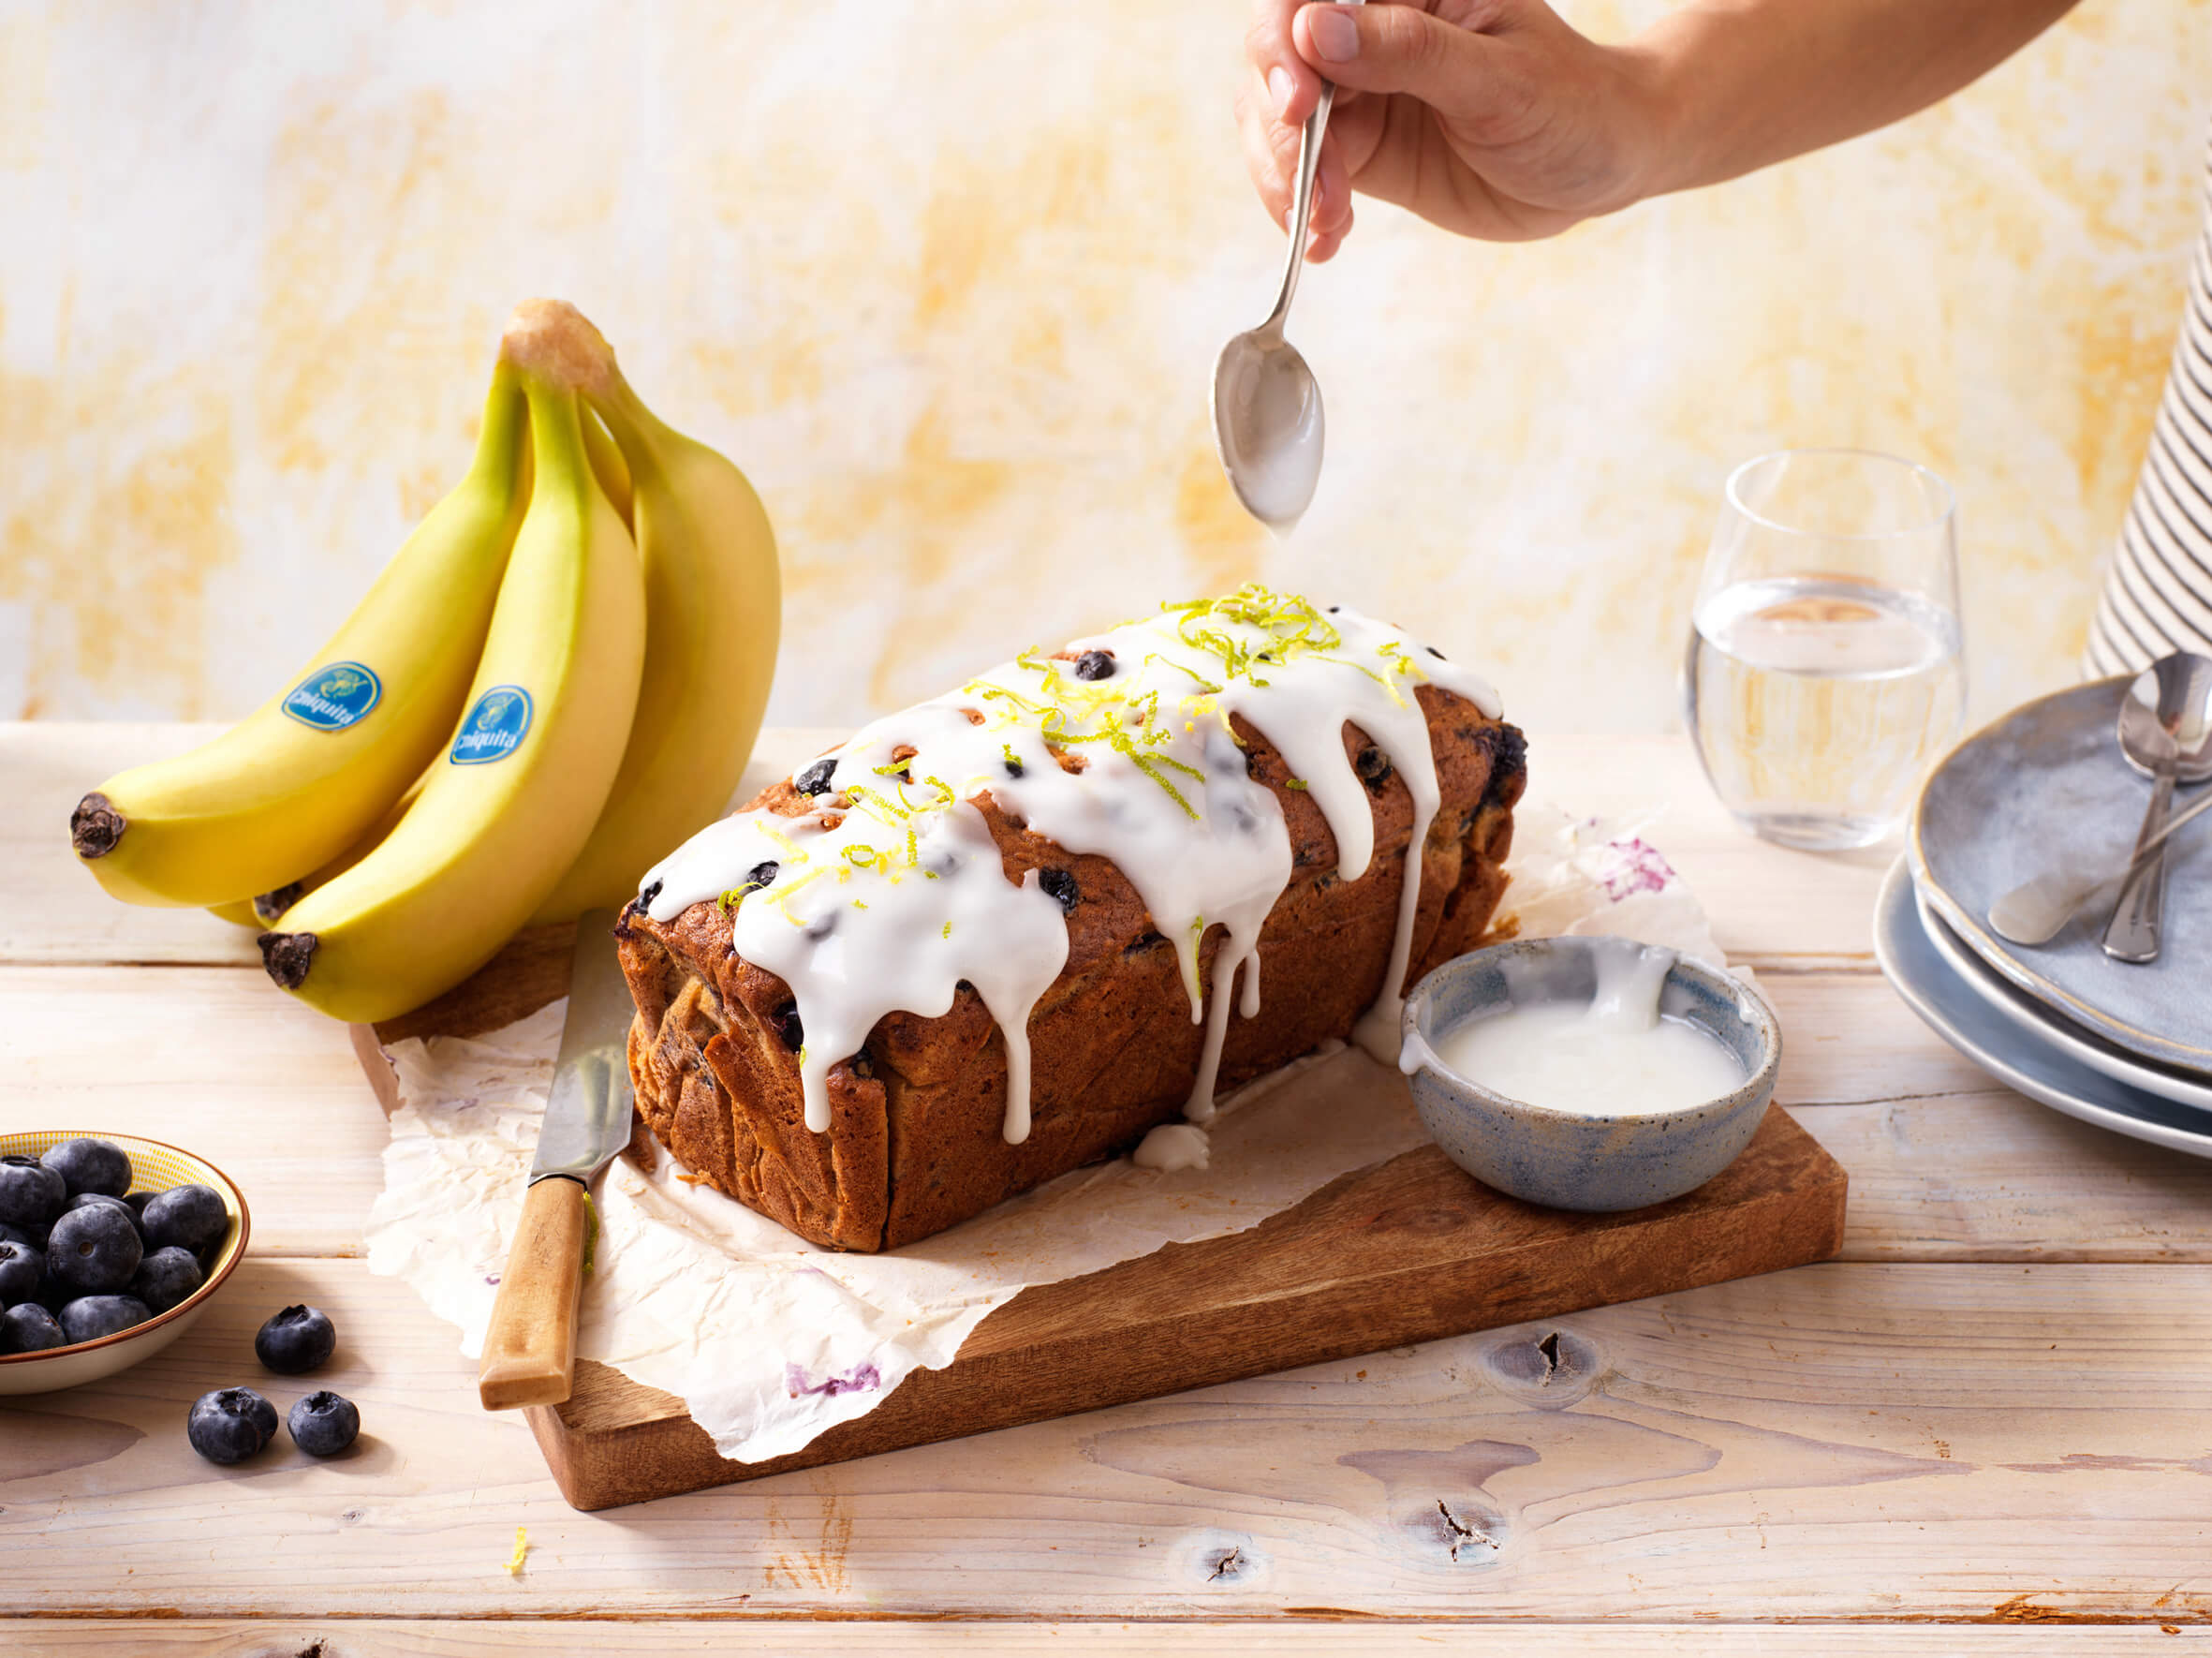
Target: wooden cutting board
1405 1250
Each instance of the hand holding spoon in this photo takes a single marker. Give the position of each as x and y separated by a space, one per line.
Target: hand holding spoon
1267 405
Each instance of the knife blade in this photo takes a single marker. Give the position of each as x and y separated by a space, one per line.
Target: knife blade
587 1115
530 1345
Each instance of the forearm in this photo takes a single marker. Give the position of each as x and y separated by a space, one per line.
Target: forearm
1739 84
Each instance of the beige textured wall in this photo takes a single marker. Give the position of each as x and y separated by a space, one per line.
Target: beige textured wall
948 279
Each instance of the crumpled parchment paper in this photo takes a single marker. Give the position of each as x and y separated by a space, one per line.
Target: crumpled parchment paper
770 1340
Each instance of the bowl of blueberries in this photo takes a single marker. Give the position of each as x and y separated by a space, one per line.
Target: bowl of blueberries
111 1247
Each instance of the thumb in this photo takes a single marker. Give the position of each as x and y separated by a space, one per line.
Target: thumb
1393 48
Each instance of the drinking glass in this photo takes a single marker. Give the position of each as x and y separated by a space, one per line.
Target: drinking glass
1825 671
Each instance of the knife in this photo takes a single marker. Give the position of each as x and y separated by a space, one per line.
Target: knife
530 1346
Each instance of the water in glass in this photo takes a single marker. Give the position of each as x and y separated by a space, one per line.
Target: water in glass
1819 703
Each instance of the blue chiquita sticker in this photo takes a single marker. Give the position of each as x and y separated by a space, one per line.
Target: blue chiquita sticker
334 696
494 727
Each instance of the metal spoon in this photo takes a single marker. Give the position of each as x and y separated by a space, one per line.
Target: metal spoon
2036 911
2165 733
1267 407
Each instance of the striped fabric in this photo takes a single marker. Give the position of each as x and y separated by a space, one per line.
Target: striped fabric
2158 593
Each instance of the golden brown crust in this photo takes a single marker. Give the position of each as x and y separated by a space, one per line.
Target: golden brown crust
914 1143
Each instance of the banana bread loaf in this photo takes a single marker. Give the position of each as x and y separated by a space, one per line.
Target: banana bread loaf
1001 935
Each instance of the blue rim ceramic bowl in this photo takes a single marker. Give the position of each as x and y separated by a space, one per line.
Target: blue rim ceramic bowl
153 1167
1574 1160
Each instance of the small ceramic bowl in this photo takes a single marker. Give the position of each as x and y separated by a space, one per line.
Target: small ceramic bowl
1573 1159
155 1167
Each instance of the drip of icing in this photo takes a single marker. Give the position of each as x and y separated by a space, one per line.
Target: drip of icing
891 892
1173 1145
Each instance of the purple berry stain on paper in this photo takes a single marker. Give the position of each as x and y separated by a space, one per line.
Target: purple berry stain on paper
861 1379
1635 866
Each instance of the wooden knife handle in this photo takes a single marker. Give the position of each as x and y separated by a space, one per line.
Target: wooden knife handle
530 1348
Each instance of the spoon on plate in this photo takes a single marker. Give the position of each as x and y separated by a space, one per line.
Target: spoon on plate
1267 405
2036 911
2166 734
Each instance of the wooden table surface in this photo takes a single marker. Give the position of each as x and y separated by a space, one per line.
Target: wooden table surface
1987 1428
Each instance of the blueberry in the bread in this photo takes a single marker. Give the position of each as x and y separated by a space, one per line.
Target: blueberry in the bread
90 1166
294 1341
167 1277
788 1027
90 1317
30 1194
20 1268
1374 767
323 1424
1095 664
1060 885
30 1328
230 1424
760 875
815 780
94 1251
189 1217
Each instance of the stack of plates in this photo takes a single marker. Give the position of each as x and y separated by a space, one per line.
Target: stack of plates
2045 789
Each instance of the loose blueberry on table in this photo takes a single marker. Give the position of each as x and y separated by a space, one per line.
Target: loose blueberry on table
90 1166
323 1424
296 1341
230 1424
90 1317
30 1328
94 1250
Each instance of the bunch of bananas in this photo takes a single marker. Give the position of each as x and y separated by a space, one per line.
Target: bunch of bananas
557 678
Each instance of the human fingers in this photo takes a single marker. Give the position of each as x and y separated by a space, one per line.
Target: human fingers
1451 66
1271 164
1293 86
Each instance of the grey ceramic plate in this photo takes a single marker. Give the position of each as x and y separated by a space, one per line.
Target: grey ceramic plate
2045 788
2042 1025
1976 1029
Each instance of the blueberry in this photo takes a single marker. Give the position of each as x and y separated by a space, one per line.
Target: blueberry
94 1250
33 1236
230 1424
87 1200
760 875
20 1268
323 1424
650 892
90 1166
30 1328
1374 767
786 1025
1095 664
137 1202
30 1194
296 1341
166 1278
190 1217
815 780
90 1317
1014 766
1060 884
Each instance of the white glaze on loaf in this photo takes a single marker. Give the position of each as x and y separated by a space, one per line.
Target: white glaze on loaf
891 893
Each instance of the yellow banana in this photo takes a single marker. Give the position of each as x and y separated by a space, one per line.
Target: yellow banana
712 615
610 469
238 914
302 777
528 768
267 909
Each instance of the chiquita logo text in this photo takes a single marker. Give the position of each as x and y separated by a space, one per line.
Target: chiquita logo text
334 697
495 728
